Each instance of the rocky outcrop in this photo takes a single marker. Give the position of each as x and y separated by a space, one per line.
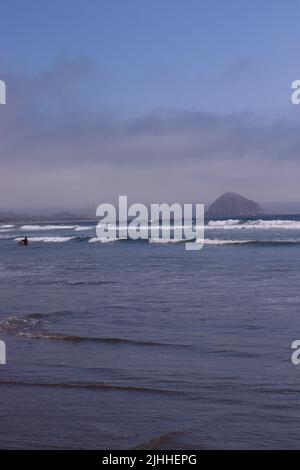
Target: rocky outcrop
233 205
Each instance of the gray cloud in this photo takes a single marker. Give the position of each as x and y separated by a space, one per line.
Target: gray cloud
57 150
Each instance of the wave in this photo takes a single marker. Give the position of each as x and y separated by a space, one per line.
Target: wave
30 327
161 241
254 224
216 241
6 237
251 242
274 224
165 240
167 227
92 386
104 240
221 223
48 239
82 228
229 224
38 228
91 339
72 283
208 241
277 242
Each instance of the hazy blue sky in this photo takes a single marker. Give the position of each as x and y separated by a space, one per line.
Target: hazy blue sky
159 100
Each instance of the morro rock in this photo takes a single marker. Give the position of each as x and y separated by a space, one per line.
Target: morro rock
233 205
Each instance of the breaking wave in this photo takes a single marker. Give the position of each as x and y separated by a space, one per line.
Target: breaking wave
72 283
159 241
254 224
278 242
165 240
48 239
208 241
38 228
221 223
82 228
217 241
104 240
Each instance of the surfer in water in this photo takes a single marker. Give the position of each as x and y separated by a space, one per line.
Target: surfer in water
23 242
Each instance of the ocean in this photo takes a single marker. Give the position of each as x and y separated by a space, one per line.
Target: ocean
134 344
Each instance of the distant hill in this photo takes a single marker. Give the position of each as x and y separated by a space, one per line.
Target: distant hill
233 205
64 216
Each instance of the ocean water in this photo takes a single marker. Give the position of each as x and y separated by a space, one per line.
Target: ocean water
141 345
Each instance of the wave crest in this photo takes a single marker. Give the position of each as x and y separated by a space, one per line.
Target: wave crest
254 224
38 228
31 327
47 239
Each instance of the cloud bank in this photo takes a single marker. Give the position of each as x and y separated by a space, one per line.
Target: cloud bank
58 150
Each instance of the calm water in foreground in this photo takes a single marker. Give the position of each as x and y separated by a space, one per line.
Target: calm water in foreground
131 344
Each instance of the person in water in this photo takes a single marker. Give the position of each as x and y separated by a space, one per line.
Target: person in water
24 242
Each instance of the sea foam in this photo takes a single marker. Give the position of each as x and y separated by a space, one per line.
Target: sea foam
47 239
38 228
254 224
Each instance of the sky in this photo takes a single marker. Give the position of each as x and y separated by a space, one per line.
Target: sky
161 100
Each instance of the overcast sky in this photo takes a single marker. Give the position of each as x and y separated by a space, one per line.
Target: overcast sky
162 100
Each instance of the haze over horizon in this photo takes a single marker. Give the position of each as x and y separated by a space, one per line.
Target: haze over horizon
275 208
172 101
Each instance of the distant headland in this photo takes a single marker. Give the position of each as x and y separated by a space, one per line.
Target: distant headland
229 205
234 205
19 217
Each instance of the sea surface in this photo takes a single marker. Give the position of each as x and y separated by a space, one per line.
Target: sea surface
134 344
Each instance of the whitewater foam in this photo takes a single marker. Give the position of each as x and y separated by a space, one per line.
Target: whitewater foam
38 228
208 241
47 239
104 240
218 223
158 241
164 241
82 228
254 224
